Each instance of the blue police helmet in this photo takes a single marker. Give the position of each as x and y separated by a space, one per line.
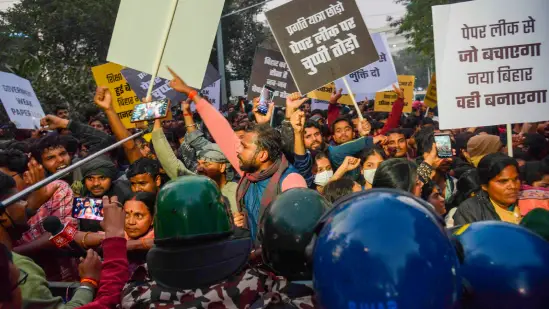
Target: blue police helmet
504 266
384 248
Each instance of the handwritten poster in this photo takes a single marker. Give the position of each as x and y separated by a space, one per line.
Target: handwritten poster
321 40
492 58
270 69
431 94
123 97
20 101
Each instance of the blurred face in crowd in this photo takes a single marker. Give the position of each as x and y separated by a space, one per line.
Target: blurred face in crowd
396 145
55 159
213 170
138 219
19 181
14 219
437 200
343 132
249 155
312 138
62 113
307 108
504 188
543 183
145 183
97 185
321 165
369 168
96 124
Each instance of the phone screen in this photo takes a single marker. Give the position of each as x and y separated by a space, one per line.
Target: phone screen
87 208
266 97
150 111
444 145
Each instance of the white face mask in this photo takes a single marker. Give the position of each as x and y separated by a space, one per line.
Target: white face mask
322 178
369 175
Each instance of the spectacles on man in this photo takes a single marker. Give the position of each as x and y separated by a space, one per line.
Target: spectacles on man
23 275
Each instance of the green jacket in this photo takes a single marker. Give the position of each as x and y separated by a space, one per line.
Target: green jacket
35 291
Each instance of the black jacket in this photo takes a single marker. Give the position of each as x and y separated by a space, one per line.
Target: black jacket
476 208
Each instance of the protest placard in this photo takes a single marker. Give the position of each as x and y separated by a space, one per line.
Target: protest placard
123 97
151 34
20 101
212 94
492 61
270 69
375 76
139 82
324 93
431 94
321 40
237 88
384 100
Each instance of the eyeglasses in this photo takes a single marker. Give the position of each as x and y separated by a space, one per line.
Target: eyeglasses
23 275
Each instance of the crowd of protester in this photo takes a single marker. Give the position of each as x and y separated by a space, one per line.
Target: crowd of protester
252 159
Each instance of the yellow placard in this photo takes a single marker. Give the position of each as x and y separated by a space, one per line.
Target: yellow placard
324 93
123 97
384 100
431 95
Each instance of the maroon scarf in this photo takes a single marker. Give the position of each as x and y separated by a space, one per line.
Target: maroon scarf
274 172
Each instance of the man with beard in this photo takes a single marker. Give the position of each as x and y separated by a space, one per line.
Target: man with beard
55 199
100 179
440 176
257 157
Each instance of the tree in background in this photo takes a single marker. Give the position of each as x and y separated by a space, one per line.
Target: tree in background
417 24
54 44
409 62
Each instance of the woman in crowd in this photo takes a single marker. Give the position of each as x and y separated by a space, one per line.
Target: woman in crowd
534 192
398 174
372 158
430 192
339 188
500 183
139 210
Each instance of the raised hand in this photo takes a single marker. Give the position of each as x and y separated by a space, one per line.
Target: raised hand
114 217
52 122
298 121
259 117
336 95
350 163
186 106
103 98
178 84
399 91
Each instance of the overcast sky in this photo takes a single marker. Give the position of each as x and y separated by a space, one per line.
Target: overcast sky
379 10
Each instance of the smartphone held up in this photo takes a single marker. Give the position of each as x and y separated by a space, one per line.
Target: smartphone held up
443 144
150 111
266 97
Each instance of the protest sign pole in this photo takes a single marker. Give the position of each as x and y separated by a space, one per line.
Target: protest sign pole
509 140
352 95
163 46
14 198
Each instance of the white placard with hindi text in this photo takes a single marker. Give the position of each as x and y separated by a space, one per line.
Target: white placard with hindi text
212 93
140 28
492 62
20 101
373 77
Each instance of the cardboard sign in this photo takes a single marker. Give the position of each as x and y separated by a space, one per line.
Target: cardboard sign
270 69
324 93
212 93
237 88
492 61
139 82
431 94
20 101
384 100
373 77
141 27
321 40
123 97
